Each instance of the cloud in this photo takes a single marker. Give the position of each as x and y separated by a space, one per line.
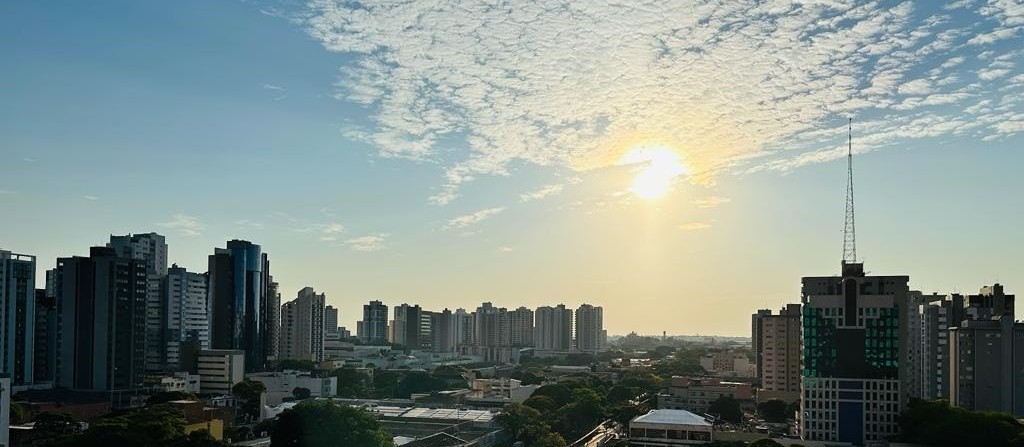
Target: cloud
472 218
28 160
694 226
711 202
93 198
541 193
7 192
282 92
505 249
184 224
248 223
373 242
328 231
735 86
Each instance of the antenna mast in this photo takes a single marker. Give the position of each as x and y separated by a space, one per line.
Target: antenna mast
850 230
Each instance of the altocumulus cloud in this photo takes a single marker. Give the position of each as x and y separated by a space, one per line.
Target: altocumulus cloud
738 85
184 224
472 218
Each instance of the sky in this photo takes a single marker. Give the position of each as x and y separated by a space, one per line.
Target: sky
681 164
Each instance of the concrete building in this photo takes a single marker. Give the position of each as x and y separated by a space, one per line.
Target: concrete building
854 337
697 394
408 327
239 304
553 330
522 330
589 328
45 333
987 365
373 329
302 327
493 326
937 314
443 331
101 307
219 370
330 319
990 302
17 316
182 317
151 248
776 341
280 385
664 428
465 330
273 321
5 411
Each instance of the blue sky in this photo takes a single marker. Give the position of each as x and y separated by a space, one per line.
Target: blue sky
448 153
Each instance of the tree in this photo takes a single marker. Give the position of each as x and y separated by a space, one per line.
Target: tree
301 393
320 423
351 383
543 404
385 384
773 410
529 426
765 442
418 382
619 394
561 394
582 414
163 397
727 408
155 425
17 414
937 424
249 392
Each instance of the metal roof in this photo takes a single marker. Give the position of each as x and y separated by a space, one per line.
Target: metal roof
677 417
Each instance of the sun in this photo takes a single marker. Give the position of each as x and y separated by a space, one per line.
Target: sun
655 179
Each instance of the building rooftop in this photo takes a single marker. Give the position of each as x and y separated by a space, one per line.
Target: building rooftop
678 417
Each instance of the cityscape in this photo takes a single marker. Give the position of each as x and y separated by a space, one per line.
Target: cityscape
338 223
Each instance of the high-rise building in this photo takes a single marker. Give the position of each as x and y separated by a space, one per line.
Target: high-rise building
183 317
589 326
937 313
756 331
521 321
854 339
492 326
273 320
777 350
17 316
302 327
553 328
465 329
151 248
239 305
443 331
101 308
987 365
45 333
373 329
406 326
330 319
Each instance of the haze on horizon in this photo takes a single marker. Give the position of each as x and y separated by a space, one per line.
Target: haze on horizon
678 163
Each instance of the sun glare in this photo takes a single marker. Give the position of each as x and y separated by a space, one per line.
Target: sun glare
655 179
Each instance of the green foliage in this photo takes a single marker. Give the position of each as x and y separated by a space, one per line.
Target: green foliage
385 384
157 425
685 362
418 382
727 408
527 376
585 410
249 391
320 423
300 365
773 410
529 426
792 408
937 424
301 393
17 414
619 394
351 383
163 397
543 404
765 442
561 394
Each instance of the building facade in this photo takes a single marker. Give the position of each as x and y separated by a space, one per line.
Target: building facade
521 322
553 330
17 316
987 365
373 329
151 248
854 337
183 317
101 310
302 326
777 353
589 328
219 370
239 304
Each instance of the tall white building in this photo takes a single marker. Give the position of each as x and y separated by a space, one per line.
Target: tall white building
553 328
589 328
330 319
493 326
522 329
219 370
17 316
465 329
152 248
777 349
302 327
183 317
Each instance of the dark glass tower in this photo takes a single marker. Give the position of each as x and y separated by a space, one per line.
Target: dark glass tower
239 278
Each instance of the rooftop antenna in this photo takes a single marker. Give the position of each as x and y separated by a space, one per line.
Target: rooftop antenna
850 230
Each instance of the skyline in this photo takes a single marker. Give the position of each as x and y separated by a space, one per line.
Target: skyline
405 177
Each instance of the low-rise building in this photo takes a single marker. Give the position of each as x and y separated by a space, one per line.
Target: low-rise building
280 385
663 428
179 381
219 370
696 395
